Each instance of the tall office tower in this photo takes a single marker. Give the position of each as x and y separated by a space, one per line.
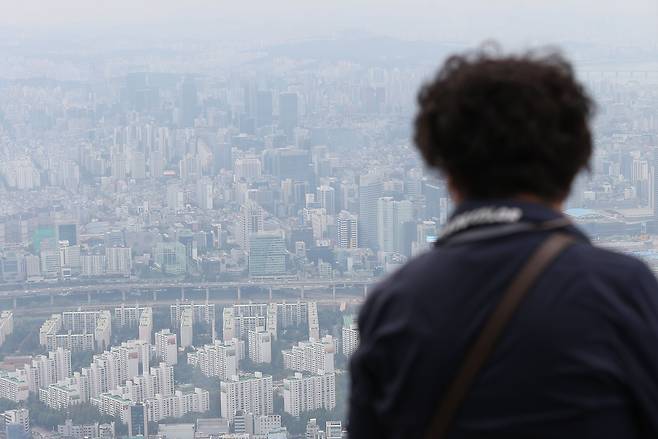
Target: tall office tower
204 193
251 393
267 254
405 220
347 235
260 346
250 222
175 197
69 259
13 267
291 162
370 190
188 103
391 216
67 231
247 168
326 196
304 393
263 108
50 258
288 112
186 327
166 347
222 156
137 422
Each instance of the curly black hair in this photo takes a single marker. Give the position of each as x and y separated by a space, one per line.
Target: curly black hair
502 126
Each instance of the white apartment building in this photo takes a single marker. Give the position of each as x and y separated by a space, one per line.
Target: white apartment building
313 321
201 312
6 325
128 315
217 359
14 386
260 346
45 370
350 335
177 405
186 328
311 356
166 347
251 393
303 393
18 416
146 325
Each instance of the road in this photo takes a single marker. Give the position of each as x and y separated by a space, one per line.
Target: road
31 290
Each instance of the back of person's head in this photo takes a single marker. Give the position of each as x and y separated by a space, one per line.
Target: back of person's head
503 126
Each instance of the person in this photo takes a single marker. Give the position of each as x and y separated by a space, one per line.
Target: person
579 356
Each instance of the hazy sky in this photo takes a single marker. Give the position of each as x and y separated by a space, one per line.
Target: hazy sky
470 21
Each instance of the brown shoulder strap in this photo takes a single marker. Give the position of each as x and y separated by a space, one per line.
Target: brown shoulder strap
485 343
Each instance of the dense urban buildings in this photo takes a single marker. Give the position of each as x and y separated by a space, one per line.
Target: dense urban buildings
188 227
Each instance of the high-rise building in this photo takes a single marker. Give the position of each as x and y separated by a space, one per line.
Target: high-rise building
350 335
118 261
303 393
175 197
347 235
370 190
247 168
170 257
216 359
188 103
138 424
222 156
391 216
250 393
260 346
6 325
20 418
250 222
267 254
166 347
186 328
69 260
204 193
68 232
326 196
311 356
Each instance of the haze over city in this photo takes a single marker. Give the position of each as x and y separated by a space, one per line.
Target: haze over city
197 197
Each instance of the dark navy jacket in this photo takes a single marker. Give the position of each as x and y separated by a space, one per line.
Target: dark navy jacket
578 359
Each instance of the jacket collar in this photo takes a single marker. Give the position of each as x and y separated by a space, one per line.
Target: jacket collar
476 214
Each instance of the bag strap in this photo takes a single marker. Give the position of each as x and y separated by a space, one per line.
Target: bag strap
485 343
